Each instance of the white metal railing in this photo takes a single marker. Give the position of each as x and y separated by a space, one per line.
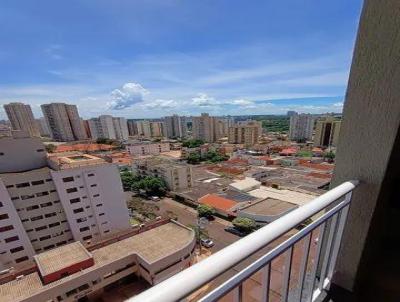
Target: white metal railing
314 274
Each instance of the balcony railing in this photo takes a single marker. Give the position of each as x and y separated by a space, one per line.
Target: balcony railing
318 242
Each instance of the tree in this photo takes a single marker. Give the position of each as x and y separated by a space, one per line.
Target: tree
128 179
194 158
192 143
330 156
304 153
152 185
204 210
244 224
50 148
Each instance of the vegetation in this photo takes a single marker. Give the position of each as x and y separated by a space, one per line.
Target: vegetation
210 156
204 210
50 148
274 123
192 143
128 179
244 224
304 154
330 156
199 232
151 185
144 209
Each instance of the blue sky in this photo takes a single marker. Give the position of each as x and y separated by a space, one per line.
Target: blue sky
149 58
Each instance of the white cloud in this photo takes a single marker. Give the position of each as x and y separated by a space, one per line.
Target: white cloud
128 95
203 100
242 102
339 104
161 104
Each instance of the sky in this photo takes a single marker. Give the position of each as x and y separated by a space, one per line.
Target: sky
150 58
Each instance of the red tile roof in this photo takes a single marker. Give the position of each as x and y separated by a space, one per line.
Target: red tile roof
217 202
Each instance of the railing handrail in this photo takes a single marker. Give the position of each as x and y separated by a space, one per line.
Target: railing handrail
186 282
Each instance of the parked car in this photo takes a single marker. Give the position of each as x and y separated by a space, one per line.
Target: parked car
235 231
155 198
207 242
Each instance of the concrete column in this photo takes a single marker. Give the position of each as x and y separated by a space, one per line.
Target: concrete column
370 125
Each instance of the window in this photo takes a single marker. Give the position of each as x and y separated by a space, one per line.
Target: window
96 195
47 204
78 210
44 237
40 150
74 200
87 237
24 197
101 214
94 185
25 220
18 260
17 249
37 182
68 179
56 201
61 243
34 207
22 185
10 186
52 225
83 287
6 228
49 247
52 191
41 228
15 198
99 205
50 215
30 230
48 179
37 218
42 194
105 222
63 221
71 190
79 220
1 204
3 216
84 229
90 174
11 239
106 231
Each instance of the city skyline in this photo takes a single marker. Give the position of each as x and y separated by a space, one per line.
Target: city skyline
150 60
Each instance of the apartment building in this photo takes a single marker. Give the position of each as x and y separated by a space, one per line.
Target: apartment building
64 122
244 133
176 175
74 271
175 126
301 127
21 118
44 129
106 126
147 148
327 132
204 128
132 128
47 202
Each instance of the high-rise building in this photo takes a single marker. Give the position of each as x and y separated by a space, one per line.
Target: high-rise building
132 128
222 125
121 128
175 126
244 133
21 118
301 127
157 129
144 128
47 202
291 113
63 121
203 128
327 132
43 127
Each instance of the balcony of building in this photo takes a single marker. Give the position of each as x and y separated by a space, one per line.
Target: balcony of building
349 251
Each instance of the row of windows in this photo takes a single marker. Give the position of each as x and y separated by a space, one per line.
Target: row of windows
71 178
30 196
27 184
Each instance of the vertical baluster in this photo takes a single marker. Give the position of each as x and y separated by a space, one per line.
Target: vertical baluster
238 293
303 265
338 239
328 249
286 273
265 281
316 261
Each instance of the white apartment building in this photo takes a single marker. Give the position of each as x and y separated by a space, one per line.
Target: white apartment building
64 122
301 126
204 128
244 133
147 148
106 126
21 118
177 176
49 202
144 128
327 132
